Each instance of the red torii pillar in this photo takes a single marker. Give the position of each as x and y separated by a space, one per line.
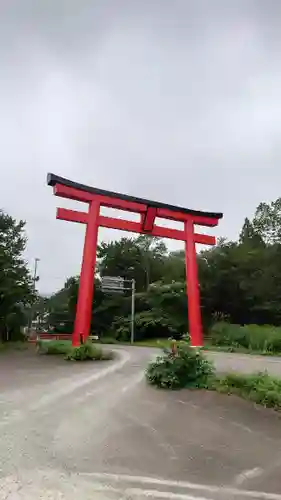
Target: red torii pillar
148 210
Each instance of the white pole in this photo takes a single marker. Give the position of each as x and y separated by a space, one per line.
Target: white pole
36 260
133 311
34 279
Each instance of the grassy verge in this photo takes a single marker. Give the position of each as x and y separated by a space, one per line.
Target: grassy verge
87 351
261 388
257 339
189 368
54 347
208 346
239 349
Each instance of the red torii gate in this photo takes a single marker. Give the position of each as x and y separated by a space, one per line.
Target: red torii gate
148 211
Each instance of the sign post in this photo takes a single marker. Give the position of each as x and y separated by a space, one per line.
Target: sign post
115 284
133 311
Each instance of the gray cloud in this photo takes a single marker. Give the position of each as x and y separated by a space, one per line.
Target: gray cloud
175 101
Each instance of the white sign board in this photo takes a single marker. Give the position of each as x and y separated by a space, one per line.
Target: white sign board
112 284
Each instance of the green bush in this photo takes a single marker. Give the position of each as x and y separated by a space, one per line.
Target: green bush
88 351
260 387
53 347
186 368
265 339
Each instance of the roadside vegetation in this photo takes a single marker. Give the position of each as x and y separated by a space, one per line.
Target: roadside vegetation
257 339
249 339
185 368
84 352
188 368
261 388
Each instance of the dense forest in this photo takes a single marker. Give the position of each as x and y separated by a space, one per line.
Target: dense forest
240 282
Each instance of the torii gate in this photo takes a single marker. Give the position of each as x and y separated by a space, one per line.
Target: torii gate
148 210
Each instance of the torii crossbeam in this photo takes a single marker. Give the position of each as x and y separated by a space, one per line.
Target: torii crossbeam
148 211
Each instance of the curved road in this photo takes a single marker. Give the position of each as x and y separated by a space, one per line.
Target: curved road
97 431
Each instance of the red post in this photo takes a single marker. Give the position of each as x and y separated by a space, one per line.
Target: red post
192 287
86 287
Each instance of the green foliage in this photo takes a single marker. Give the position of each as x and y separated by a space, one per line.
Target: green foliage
88 352
249 235
267 221
148 324
16 290
53 347
186 368
84 352
242 283
141 258
264 339
261 388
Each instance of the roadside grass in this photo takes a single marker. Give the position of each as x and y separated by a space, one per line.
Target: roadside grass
53 347
208 346
260 387
84 352
257 339
189 368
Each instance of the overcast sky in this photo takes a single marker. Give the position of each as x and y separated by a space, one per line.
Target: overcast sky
173 100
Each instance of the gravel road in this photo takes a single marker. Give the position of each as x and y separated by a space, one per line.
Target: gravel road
97 431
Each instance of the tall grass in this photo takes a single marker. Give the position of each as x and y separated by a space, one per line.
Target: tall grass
265 339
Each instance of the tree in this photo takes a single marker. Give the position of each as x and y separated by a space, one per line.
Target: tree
16 286
140 258
267 221
242 283
249 235
174 267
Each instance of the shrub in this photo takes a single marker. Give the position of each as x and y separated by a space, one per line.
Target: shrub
259 387
186 368
88 351
53 347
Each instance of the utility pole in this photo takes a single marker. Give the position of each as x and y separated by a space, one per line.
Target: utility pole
34 279
36 260
116 284
133 311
